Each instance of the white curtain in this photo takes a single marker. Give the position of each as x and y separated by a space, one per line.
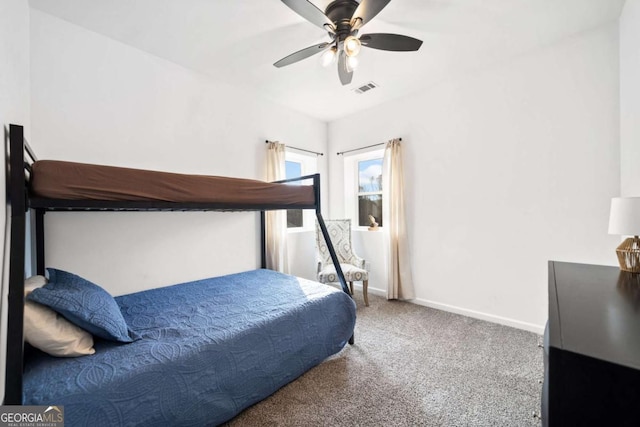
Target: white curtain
400 281
276 221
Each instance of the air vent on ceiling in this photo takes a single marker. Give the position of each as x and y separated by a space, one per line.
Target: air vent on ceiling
365 88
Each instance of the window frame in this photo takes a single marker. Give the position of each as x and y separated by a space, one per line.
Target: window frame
351 184
308 166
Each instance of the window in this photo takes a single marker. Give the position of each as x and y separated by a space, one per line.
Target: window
369 191
296 165
294 170
363 187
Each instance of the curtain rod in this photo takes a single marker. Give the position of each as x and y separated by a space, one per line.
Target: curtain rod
300 149
362 148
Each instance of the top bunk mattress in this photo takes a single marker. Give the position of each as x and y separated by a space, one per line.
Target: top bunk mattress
52 179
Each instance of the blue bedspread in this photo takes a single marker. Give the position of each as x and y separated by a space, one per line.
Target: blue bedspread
209 349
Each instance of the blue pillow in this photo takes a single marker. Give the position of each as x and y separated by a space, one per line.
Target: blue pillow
84 304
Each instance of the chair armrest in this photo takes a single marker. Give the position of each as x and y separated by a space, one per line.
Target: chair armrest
359 262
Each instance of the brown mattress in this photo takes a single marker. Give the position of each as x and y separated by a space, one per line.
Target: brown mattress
78 181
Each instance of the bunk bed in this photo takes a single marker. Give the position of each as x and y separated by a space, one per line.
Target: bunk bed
203 351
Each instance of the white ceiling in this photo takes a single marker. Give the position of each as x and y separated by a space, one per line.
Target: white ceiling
237 41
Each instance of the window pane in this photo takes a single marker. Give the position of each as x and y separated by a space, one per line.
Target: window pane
293 170
294 218
369 205
370 175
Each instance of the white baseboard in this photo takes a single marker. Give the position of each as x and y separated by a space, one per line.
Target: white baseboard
538 329
531 327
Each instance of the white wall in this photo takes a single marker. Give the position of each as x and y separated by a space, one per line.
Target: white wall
14 64
14 108
630 98
97 100
506 167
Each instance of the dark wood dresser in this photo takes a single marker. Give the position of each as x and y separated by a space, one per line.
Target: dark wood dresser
592 347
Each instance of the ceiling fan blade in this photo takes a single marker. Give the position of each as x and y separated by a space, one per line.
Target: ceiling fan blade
310 12
394 42
301 54
345 74
367 10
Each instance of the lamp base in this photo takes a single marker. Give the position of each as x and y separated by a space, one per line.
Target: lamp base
629 255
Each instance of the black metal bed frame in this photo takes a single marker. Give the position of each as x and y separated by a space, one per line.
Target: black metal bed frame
19 161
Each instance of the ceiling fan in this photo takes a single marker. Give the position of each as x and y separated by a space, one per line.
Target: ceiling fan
343 19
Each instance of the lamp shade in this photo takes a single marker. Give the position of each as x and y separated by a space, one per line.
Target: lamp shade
624 217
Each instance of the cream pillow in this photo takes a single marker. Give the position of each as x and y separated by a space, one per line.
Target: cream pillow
34 282
50 332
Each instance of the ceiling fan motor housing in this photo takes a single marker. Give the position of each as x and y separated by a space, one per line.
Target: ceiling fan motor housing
340 13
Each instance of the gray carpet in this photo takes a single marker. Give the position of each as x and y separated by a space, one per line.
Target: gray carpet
414 366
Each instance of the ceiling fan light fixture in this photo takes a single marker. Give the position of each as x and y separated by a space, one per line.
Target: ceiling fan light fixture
328 57
351 63
352 46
